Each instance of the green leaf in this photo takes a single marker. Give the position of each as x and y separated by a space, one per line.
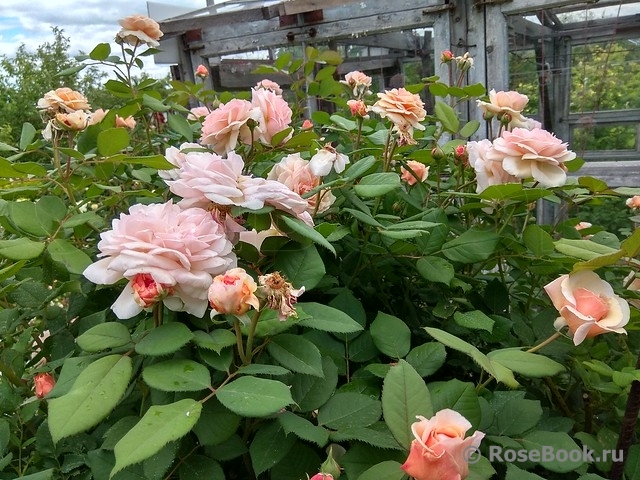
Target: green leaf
165 339
346 124
328 319
475 320
301 265
270 445
96 392
216 340
363 217
160 425
158 162
296 353
280 137
177 375
404 396
516 416
199 467
470 128
360 167
154 104
112 141
585 249
456 395
391 335
261 369
377 184
310 393
526 363
43 475
254 397
216 424
100 52
301 228
557 441
73 259
447 116
471 246
346 410
516 473
427 358
104 336
515 192
303 428
537 240
27 135
21 249
377 435
387 470
180 125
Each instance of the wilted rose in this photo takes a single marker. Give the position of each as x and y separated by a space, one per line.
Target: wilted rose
440 450
233 292
43 384
280 294
587 305
97 116
137 29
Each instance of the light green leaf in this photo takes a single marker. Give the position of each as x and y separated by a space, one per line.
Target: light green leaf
27 135
328 319
304 230
391 335
154 104
361 167
100 52
475 320
21 249
558 441
254 397
525 363
585 249
470 128
435 269
346 410
154 161
447 116
165 339
301 265
377 184
363 217
43 475
216 340
303 428
71 257
177 375
94 394
160 425
296 353
427 358
387 470
404 396
456 395
104 336
471 246
537 240
180 125
112 141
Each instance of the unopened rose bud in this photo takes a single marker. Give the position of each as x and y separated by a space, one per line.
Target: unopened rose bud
202 72
437 153
307 124
460 153
446 56
43 384
147 292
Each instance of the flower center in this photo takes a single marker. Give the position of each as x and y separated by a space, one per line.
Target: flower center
588 303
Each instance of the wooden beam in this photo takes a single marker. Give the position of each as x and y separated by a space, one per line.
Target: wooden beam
293 7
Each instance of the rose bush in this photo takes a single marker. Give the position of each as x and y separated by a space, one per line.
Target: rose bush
219 287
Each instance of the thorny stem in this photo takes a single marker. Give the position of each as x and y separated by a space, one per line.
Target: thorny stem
250 336
544 343
158 311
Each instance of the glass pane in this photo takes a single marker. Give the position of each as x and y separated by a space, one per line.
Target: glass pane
617 137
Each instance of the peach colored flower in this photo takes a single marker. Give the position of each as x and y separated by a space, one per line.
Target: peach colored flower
63 100
295 172
327 158
229 124
587 305
419 169
633 202
128 122
358 108
147 292
280 294
532 153
181 249
97 116
269 85
582 225
137 29
403 108
233 292
202 71
501 103
487 172
78 120
440 450
196 113
43 384
307 124
358 82
275 114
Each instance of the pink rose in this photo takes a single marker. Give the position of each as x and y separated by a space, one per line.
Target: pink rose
147 292
176 156
358 108
269 85
440 450
587 305
196 113
275 114
328 158
137 29
358 82
180 249
228 124
500 103
43 384
532 153
128 122
202 71
307 124
419 169
446 56
403 108
233 292
295 172
487 172
322 476
633 202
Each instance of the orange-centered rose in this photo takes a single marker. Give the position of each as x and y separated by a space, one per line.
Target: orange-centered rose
137 29
147 292
233 292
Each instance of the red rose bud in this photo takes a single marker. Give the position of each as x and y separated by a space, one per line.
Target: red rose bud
44 383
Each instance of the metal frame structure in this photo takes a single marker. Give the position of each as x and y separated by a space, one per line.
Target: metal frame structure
487 29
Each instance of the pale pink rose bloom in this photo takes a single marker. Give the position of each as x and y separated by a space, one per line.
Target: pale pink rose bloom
404 109
418 168
633 202
181 249
488 172
128 122
202 71
43 383
233 292
227 125
255 238
63 99
358 108
295 172
176 157
327 158
147 292
275 114
269 85
440 450
78 120
532 153
499 103
97 116
587 305
137 29
358 82
196 113
525 122
582 225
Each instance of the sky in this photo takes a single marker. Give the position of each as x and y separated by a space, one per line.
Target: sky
85 22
